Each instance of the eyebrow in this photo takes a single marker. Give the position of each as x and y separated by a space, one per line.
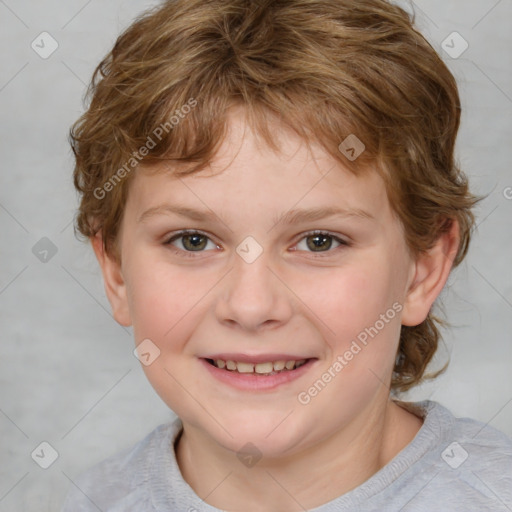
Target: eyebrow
182 211
296 216
299 216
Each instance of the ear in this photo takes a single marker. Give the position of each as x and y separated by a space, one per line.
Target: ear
431 271
115 287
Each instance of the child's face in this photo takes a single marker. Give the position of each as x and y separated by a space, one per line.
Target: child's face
301 298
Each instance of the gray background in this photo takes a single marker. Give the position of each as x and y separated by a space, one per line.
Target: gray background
67 372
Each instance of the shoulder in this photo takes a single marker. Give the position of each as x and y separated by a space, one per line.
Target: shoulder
474 441
483 451
120 481
470 459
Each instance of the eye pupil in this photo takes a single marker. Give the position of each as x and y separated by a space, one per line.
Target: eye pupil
321 239
195 240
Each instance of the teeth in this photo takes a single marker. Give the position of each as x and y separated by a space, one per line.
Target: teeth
279 365
259 368
245 367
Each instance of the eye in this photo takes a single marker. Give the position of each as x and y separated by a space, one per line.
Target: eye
321 241
192 241
195 241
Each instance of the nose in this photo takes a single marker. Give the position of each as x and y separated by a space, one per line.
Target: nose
254 297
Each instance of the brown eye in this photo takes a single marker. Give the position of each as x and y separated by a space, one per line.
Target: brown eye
191 241
320 242
194 242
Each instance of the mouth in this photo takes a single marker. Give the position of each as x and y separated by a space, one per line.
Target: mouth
262 373
265 368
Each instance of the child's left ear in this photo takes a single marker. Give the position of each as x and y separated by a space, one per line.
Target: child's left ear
432 269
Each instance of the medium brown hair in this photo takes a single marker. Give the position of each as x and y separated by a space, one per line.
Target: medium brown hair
326 68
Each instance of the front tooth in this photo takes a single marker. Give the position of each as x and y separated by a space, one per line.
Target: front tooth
245 367
279 365
231 365
263 367
220 363
289 365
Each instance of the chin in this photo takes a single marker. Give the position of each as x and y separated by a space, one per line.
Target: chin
270 438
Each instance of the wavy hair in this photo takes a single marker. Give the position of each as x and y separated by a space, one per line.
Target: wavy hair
325 68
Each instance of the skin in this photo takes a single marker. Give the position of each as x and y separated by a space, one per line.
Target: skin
291 299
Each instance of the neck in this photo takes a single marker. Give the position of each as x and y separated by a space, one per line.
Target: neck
341 462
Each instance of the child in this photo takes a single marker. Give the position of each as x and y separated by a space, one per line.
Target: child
270 189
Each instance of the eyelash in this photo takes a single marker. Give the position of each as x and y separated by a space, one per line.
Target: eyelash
320 254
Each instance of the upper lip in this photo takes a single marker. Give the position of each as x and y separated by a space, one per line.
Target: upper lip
255 358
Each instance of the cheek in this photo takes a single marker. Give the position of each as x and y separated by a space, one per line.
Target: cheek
352 299
362 328
162 300
166 306
360 311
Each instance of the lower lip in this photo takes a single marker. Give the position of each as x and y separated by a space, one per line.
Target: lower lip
252 382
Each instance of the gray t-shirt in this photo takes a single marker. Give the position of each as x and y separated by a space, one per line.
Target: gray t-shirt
452 464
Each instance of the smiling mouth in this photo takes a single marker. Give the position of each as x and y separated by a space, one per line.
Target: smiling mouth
267 368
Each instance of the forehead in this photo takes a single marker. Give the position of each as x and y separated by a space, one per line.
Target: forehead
247 177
